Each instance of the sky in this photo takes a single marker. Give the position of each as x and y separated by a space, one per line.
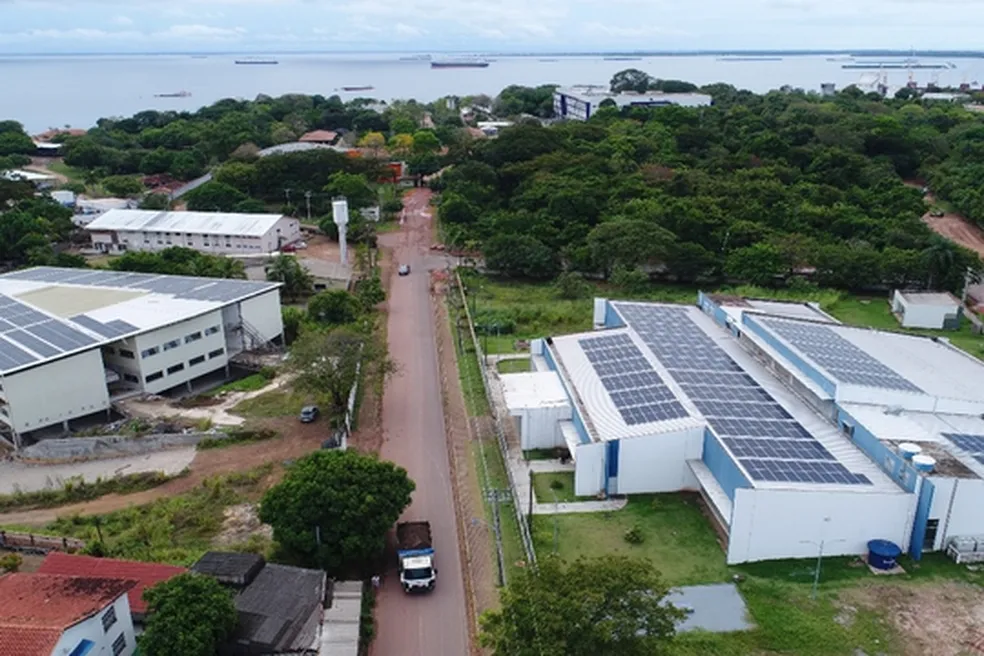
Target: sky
122 26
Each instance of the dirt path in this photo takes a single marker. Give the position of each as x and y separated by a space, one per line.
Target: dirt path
219 413
298 440
953 226
41 164
414 436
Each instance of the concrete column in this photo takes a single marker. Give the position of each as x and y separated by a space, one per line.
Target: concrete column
188 386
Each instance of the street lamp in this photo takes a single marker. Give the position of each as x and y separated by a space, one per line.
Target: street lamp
820 545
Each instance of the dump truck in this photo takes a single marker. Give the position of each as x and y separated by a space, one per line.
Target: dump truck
415 550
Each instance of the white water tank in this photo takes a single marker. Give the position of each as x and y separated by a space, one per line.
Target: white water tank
339 211
908 450
923 462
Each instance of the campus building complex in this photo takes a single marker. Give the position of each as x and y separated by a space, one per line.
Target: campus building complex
73 340
579 103
796 430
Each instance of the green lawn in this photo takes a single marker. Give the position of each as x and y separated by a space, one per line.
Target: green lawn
276 403
677 537
73 174
877 313
518 366
554 486
469 372
512 545
250 383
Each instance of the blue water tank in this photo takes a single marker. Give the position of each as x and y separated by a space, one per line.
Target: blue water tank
882 554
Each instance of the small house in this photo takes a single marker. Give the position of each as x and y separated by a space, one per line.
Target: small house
935 310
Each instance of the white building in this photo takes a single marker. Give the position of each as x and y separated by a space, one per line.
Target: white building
88 210
785 421
937 310
579 103
117 231
50 615
73 340
39 180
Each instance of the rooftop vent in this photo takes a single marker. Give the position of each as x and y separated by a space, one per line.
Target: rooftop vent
908 450
923 463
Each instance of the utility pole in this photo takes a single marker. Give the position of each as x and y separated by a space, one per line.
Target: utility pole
307 200
529 515
287 195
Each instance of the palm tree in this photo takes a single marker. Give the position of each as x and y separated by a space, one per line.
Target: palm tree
940 257
296 279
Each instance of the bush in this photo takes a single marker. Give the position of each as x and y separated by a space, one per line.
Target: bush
556 484
634 535
237 436
571 286
77 489
492 322
10 562
393 206
268 373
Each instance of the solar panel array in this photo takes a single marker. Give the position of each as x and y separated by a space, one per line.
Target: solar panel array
972 444
27 335
845 361
183 287
766 440
111 329
637 391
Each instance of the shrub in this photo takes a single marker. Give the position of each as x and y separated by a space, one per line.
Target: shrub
237 436
556 484
492 322
268 373
634 535
10 562
571 286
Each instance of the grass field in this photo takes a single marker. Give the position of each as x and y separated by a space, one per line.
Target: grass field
554 486
519 366
73 174
277 403
249 383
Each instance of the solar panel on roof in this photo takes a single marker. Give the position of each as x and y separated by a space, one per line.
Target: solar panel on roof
845 361
11 356
758 431
972 444
43 349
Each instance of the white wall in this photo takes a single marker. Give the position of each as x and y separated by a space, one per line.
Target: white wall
658 463
59 390
589 469
966 518
183 353
138 240
92 630
263 313
540 427
286 227
771 524
917 315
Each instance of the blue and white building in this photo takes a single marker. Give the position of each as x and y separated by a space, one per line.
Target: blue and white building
579 103
795 429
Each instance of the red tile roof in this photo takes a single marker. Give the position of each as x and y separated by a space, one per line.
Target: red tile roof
36 608
28 640
319 136
146 575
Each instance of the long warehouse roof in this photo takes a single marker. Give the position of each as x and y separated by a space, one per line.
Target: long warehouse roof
210 223
48 312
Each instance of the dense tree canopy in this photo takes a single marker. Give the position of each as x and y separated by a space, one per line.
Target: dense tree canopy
190 614
334 508
756 188
181 261
607 605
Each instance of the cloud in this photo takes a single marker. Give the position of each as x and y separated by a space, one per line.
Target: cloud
198 31
626 32
404 29
122 20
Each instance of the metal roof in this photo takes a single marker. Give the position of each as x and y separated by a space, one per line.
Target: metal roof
207 223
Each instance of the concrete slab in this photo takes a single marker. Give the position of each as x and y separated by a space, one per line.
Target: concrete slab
718 608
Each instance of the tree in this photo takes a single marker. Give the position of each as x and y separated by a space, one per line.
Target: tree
759 264
425 141
289 271
13 139
335 306
631 79
354 187
155 202
214 197
123 185
190 614
401 145
606 605
334 508
520 256
571 286
370 292
373 141
292 318
629 242
329 363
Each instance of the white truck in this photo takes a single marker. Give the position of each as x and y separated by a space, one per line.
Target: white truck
415 550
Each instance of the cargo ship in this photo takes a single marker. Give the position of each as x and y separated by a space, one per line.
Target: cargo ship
174 94
897 65
267 62
459 63
365 87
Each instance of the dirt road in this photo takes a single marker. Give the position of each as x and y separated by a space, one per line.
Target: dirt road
413 425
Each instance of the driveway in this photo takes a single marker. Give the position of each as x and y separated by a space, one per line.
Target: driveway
435 624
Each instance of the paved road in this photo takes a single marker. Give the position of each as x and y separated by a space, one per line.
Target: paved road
413 426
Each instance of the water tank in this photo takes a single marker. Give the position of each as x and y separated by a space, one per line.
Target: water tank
339 210
882 554
908 449
923 462
965 544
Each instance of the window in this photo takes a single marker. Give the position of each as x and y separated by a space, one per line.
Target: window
130 378
196 360
206 243
216 353
119 645
211 331
174 343
109 618
83 648
146 353
175 369
157 375
125 353
193 337
929 539
109 350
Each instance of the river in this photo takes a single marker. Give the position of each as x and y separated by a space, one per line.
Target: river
54 91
